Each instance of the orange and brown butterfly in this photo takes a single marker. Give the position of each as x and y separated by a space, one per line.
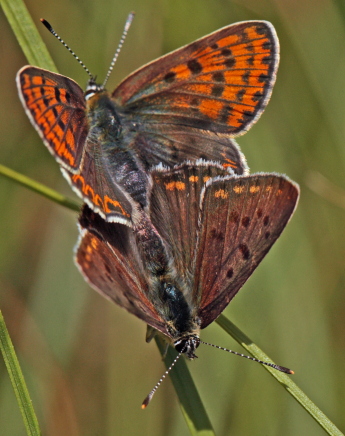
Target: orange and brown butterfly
180 266
186 105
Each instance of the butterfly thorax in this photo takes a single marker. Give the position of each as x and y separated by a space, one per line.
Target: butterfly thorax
176 311
103 120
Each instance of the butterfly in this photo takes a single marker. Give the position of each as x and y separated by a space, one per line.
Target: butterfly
186 105
179 268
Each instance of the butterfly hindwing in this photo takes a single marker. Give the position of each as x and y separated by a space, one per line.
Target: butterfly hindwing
170 144
107 257
240 219
99 189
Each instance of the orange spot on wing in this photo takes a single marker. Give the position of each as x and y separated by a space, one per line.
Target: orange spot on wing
238 189
235 120
221 193
254 189
70 139
181 102
36 80
171 186
231 164
253 34
94 242
228 162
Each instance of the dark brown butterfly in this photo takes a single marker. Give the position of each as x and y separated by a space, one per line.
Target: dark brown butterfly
180 267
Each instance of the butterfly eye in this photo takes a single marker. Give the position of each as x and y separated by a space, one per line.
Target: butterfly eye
180 346
92 89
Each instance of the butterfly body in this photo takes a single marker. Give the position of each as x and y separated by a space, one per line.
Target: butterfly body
165 286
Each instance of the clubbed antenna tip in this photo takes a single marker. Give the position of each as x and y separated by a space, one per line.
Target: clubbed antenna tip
52 31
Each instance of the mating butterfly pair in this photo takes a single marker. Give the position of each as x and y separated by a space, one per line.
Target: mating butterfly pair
171 242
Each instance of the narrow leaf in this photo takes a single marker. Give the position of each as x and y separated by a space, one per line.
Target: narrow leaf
17 380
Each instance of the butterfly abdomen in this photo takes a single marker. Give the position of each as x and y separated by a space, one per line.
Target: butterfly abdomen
151 246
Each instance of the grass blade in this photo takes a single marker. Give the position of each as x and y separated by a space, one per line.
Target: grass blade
17 380
191 405
39 188
26 33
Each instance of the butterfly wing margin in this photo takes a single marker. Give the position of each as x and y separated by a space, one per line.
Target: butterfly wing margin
99 191
106 256
241 218
221 82
55 106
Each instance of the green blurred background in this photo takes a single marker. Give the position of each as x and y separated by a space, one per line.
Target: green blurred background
85 360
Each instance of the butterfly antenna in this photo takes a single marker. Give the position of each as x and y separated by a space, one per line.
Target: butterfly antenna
51 30
151 394
122 40
272 365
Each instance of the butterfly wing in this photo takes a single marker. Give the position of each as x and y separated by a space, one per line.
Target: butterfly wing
175 210
100 192
107 257
171 144
55 106
240 219
220 83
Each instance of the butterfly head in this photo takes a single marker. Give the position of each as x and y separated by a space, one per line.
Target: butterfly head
92 89
187 345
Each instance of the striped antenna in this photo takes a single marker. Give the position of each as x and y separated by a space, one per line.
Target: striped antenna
145 403
122 40
272 365
52 31
116 55
147 400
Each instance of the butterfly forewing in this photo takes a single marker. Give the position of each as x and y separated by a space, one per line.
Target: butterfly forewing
108 258
241 218
174 209
219 83
56 106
